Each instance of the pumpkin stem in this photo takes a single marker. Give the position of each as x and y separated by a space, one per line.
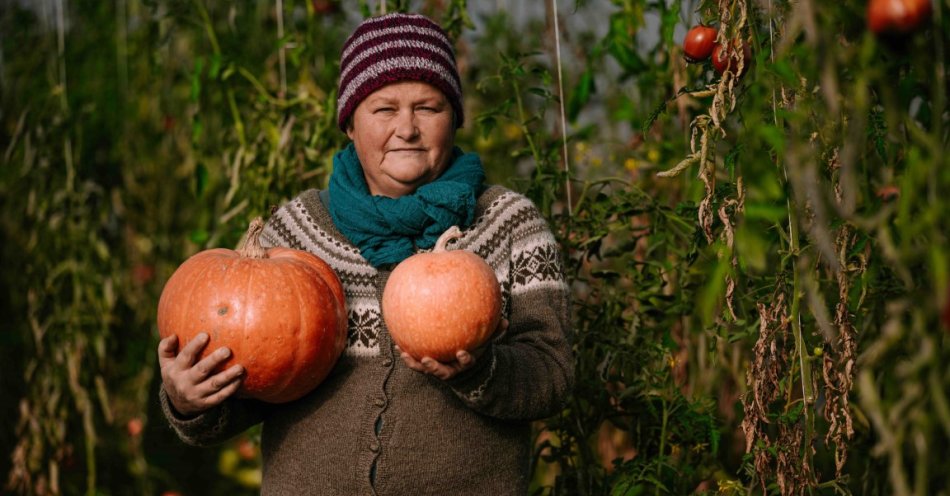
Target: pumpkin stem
252 241
451 234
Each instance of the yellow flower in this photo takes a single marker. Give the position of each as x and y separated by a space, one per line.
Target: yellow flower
581 148
512 131
729 487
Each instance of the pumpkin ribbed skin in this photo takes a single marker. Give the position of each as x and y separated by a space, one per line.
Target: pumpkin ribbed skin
283 317
437 303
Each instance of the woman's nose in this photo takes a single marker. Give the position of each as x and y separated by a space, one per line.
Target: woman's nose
406 126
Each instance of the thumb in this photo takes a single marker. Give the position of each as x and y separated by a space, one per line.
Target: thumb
167 349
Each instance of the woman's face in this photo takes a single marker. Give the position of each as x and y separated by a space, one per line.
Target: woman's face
403 135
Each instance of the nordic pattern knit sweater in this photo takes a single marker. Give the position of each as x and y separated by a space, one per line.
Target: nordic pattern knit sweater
374 426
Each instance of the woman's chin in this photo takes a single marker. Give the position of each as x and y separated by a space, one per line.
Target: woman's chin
406 182
395 188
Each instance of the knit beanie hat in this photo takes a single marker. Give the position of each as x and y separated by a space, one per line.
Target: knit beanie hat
392 48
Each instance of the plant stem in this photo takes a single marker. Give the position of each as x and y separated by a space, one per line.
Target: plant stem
252 243
209 27
451 234
523 121
800 348
659 457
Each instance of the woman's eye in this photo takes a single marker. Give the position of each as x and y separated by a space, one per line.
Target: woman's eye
383 110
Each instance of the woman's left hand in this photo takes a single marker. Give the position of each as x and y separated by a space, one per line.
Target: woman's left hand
464 360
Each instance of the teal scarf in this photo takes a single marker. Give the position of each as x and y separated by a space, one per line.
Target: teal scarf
387 230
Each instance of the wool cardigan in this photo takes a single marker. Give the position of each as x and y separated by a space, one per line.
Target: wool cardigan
377 427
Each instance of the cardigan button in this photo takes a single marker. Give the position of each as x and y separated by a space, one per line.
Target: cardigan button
374 447
379 402
387 362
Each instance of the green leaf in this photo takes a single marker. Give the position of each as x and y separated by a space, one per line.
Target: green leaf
196 129
714 437
773 213
215 68
751 248
487 124
671 17
543 93
199 236
620 44
784 71
196 79
715 287
773 136
581 94
201 180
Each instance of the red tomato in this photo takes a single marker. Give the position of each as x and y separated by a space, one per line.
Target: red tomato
727 58
698 43
134 427
246 449
888 193
324 7
142 274
897 16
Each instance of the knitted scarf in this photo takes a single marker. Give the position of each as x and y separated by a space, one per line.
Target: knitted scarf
387 230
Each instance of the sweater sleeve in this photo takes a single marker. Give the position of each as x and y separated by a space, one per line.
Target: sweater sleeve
215 425
528 372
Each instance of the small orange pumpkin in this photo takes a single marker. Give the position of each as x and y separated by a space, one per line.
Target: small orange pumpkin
437 303
282 313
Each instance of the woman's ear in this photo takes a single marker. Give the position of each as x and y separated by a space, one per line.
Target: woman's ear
349 127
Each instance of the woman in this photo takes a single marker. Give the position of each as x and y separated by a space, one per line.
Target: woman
382 422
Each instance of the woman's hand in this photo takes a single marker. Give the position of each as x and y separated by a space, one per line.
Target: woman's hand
190 386
464 360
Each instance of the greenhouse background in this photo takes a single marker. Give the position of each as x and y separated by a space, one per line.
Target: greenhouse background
758 256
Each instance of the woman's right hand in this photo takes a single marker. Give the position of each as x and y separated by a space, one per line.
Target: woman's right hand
190 386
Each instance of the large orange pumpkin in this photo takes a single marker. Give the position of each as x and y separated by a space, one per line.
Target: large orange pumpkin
437 303
280 311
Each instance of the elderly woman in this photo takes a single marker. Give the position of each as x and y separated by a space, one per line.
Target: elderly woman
382 422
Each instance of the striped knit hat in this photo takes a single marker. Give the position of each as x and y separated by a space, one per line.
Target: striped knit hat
392 48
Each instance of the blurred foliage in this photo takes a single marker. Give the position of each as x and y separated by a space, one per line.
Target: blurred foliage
759 263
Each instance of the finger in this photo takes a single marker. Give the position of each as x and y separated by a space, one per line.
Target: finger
412 363
208 364
167 349
465 359
222 380
501 329
437 369
223 393
189 354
